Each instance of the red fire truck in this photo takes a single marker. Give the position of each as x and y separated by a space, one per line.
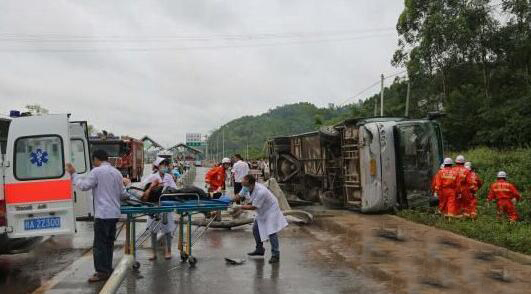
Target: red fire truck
125 153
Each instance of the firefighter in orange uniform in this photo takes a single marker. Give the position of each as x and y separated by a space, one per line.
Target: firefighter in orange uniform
462 175
433 180
446 187
470 202
506 196
215 177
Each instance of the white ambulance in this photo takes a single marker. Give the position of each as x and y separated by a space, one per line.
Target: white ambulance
36 194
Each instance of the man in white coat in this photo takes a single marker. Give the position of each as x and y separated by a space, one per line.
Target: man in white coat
269 219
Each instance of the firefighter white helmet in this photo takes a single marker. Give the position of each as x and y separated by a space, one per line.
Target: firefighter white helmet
448 161
502 174
460 159
468 165
225 160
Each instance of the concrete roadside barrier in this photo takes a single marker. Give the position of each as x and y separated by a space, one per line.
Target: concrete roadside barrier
118 275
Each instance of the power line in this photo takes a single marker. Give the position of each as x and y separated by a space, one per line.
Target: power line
370 87
226 46
52 37
359 93
395 74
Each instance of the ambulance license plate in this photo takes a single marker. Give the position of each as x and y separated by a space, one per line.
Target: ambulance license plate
42 223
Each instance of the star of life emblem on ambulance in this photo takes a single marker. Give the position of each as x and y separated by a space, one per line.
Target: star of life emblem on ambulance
39 157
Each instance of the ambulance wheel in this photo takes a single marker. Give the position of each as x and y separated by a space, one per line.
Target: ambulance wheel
192 261
136 265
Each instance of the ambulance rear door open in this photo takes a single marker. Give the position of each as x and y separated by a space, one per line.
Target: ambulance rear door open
80 158
37 188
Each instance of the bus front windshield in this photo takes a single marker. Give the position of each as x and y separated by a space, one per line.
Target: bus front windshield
420 155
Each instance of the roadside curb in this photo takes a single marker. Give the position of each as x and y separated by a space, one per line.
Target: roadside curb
497 250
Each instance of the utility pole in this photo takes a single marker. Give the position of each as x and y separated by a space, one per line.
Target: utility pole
206 147
247 156
223 142
407 96
375 106
217 147
382 95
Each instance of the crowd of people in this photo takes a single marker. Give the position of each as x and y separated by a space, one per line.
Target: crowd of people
108 187
456 187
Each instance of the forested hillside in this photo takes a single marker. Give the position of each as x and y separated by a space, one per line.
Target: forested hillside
468 59
283 120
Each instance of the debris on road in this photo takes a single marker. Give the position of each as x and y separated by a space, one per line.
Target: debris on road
273 186
235 261
391 234
293 216
500 275
223 224
299 216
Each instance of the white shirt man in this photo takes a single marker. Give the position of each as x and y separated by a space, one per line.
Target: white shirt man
240 169
107 187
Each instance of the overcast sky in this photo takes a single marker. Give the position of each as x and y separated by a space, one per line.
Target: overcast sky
165 68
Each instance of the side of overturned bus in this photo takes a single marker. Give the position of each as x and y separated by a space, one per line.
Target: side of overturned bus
371 165
36 194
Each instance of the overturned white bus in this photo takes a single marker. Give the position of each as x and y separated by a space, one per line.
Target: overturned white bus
369 164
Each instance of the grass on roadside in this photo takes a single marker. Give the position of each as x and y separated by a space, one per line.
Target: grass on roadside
517 237
486 228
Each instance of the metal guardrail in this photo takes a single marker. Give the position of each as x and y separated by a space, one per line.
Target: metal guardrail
118 275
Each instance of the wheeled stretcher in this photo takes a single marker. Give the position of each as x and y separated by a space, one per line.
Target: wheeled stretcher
183 206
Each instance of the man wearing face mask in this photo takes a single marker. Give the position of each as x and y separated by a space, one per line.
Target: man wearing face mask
161 177
269 219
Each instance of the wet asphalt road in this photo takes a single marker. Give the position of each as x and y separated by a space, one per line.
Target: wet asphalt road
343 252
296 273
25 272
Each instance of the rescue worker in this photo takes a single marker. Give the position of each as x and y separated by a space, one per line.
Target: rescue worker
446 187
433 181
269 219
215 177
162 177
462 175
107 186
506 196
240 169
470 202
